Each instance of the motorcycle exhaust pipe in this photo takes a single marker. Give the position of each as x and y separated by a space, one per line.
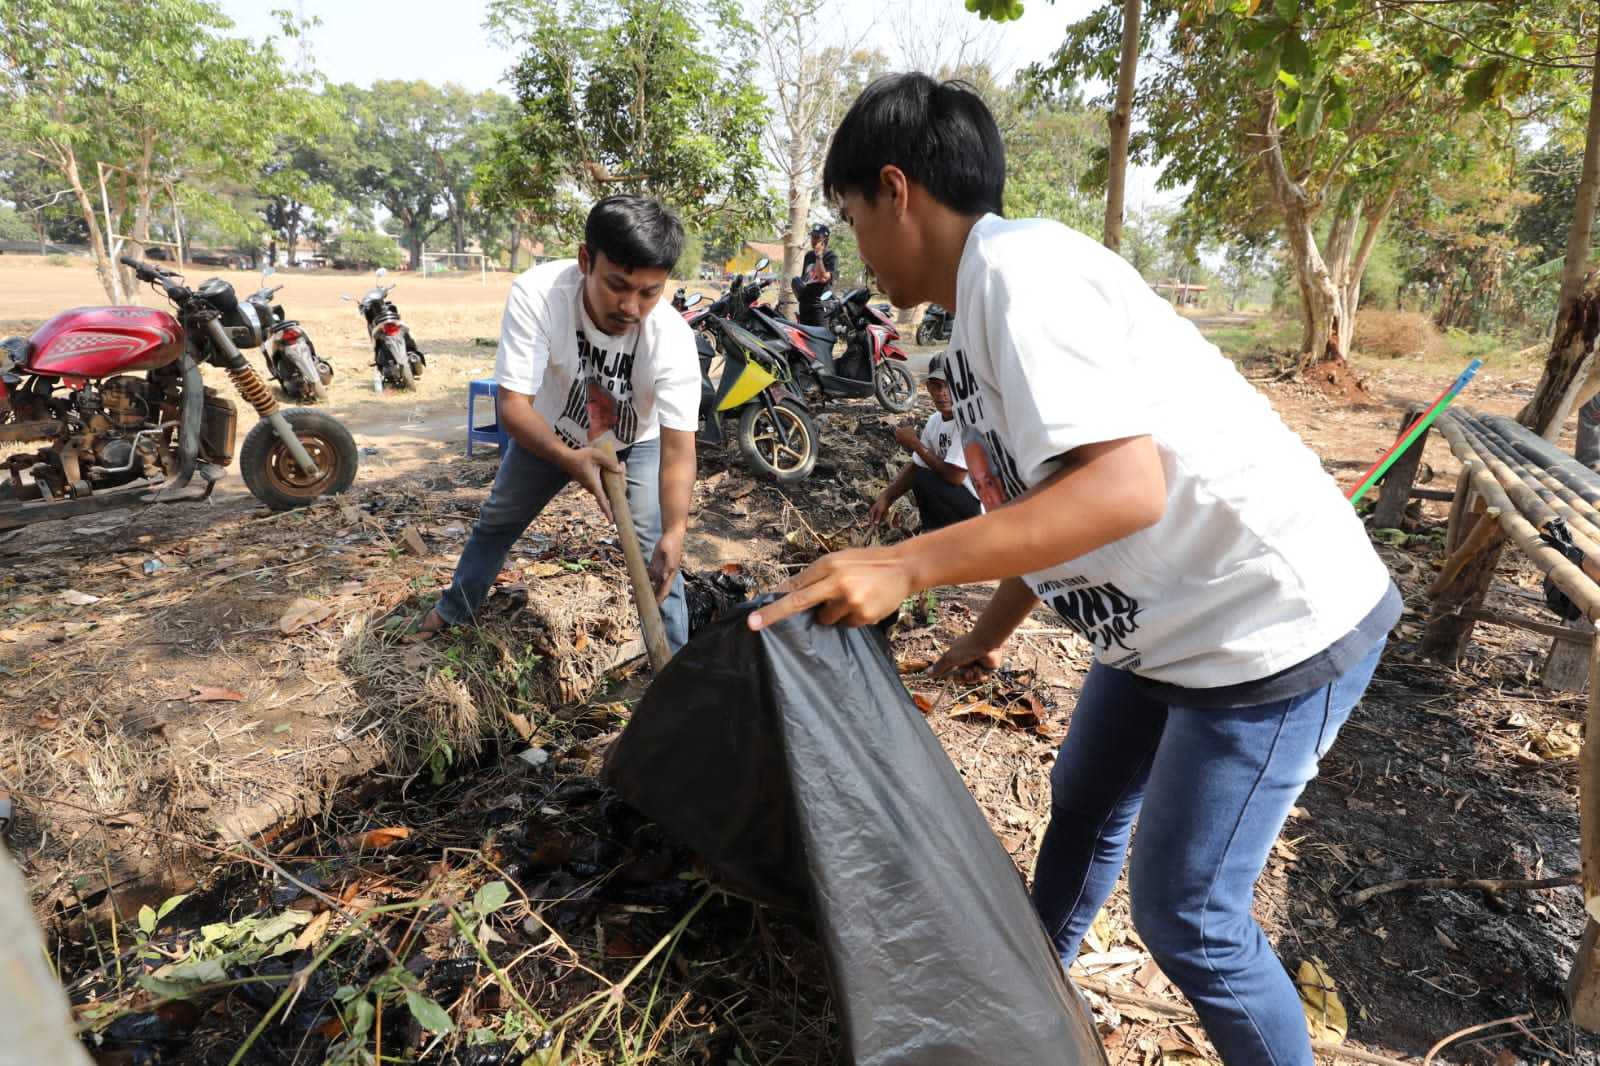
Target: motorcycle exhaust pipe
256 393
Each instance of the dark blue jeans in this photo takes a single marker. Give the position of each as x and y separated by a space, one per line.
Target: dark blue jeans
1211 789
524 486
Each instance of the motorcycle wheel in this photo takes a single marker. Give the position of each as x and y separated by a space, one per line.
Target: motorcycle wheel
927 332
273 476
893 386
402 362
786 451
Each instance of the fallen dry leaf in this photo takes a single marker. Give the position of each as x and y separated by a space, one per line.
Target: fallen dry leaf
412 541
542 570
377 839
303 612
213 694
923 701
312 934
913 666
1325 1014
77 599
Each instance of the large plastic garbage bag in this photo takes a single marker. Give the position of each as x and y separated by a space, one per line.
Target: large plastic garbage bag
795 763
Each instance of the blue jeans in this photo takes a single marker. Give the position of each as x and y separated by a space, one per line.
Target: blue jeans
1215 786
523 487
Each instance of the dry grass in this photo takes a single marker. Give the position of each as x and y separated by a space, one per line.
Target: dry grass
1398 335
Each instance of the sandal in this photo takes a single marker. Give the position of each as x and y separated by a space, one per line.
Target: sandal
423 631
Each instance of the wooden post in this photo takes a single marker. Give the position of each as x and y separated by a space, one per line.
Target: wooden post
1452 614
1395 490
34 1015
1566 661
1583 985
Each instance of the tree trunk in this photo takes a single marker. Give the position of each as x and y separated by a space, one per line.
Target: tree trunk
794 242
516 244
103 266
1582 231
1570 368
33 1010
414 244
1120 122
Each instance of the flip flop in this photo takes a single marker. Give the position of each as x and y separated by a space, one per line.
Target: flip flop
422 632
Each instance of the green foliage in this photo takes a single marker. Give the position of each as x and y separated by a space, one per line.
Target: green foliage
417 145
14 227
1551 176
366 250
1055 153
693 252
650 96
157 87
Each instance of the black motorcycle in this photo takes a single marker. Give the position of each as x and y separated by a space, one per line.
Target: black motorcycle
935 326
292 359
394 352
869 364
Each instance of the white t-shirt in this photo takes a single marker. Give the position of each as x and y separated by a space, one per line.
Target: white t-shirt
944 440
1258 562
584 381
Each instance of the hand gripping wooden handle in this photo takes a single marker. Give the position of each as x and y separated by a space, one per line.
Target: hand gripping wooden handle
644 596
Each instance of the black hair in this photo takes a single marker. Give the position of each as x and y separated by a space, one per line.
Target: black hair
940 134
634 232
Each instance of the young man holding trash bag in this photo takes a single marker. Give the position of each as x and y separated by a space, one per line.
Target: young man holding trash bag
1157 502
588 348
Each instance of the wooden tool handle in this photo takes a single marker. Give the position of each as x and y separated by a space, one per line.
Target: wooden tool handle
644 595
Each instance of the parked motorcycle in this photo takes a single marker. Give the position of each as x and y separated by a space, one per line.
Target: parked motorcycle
118 394
870 364
291 357
740 375
935 326
394 353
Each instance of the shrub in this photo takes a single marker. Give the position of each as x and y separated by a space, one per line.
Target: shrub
58 259
1397 334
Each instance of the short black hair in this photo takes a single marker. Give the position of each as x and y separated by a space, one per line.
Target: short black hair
634 232
941 134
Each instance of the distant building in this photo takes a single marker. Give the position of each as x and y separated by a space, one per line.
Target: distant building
751 253
1181 293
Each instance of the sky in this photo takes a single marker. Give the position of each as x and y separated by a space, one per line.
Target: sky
362 41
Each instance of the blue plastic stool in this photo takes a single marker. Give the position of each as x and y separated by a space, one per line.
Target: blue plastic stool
486 434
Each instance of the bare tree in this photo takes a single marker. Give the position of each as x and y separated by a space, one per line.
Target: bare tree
945 41
813 80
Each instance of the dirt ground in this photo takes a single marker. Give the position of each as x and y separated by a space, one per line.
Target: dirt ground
255 679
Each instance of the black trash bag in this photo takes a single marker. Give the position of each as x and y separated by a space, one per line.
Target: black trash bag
709 594
794 762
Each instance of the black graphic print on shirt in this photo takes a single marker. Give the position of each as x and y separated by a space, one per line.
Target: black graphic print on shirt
601 397
1102 614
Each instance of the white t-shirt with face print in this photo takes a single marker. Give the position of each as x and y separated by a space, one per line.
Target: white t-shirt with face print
943 439
584 381
1258 562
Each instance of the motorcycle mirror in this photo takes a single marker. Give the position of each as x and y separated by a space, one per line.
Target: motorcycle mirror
828 295
696 298
763 263
382 273
267 272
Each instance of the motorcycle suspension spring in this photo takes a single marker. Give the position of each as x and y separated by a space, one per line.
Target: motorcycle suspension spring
254 390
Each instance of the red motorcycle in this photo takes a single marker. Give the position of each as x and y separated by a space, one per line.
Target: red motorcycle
117 392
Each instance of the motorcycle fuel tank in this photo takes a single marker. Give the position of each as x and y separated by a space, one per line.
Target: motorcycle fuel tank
95 342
